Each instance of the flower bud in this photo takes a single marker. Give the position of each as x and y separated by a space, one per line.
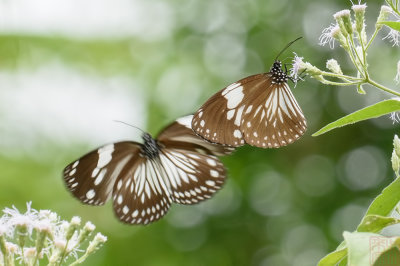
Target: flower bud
395 162
383 15
29 253
334 66
396 145
96 243
344 21
359 13
73 226
85 232
338 35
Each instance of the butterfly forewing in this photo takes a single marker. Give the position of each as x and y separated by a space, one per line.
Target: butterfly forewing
92 177
219 119
259 110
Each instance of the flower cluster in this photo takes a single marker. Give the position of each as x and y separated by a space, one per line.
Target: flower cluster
349 30
34 236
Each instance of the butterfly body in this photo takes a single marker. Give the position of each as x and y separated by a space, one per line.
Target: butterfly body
259 110
144 179
150 148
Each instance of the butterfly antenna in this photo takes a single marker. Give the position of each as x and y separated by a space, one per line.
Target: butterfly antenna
129 125
287 46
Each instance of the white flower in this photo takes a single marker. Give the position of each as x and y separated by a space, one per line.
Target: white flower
397 78
393 36
27 220
48 239
76 220
297 65
359 7
342 13
394 116
328 35
100 238
89 226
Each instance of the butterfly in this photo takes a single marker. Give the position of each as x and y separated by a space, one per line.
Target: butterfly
144 179
259 110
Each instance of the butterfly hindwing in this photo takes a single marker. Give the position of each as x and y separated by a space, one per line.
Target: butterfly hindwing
192 176
194 172
140 195
276 120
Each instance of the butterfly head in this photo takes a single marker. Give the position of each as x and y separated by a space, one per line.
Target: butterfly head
150 148
278 75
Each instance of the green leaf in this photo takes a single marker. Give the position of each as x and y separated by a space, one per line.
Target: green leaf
392 24
373 111
375 223
334 257
385 202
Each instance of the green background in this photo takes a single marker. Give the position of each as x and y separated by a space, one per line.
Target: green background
60 90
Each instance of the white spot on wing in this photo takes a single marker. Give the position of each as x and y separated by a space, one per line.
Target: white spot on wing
90 194
214 173
105 155
230 114
100 177
237 133
238 118
211 162
210 183
187 120
72 172
234 97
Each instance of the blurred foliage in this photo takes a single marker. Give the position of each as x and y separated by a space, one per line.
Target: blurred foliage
286 206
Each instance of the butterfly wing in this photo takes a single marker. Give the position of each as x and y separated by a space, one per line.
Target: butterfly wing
91 178
185 171
219 119
192 171
254 110
179 134
141 196
192 177
276 118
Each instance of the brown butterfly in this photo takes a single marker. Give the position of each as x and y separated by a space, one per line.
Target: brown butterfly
144 179
259 110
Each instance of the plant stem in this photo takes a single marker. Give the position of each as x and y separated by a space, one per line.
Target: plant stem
328 82
350 52
373 83
340 76
80 260
372 38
